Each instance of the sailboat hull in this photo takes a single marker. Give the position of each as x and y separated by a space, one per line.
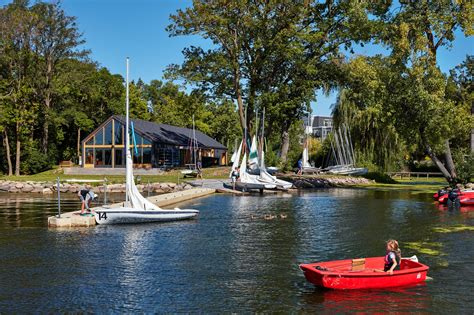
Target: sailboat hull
131 215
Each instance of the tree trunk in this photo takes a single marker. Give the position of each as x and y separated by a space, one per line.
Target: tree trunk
46 125
285 145
7 149
449 160
438 163
18 150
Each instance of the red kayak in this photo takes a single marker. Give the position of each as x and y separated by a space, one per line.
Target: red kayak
467 200
461 195
364 273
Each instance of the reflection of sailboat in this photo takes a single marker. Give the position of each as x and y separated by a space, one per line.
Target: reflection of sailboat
192 168
136 208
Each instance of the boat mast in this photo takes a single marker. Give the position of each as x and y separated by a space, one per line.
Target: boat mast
127 138
194 144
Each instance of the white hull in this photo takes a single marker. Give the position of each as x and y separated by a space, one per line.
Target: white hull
189 173
130 215
280 184
348 170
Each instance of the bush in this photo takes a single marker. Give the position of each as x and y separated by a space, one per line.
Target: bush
380 178
465 169
34 161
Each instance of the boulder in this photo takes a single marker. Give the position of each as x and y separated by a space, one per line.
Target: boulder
47 191
19 185
4 187
27 188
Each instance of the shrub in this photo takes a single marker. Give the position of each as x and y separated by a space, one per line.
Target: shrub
380 178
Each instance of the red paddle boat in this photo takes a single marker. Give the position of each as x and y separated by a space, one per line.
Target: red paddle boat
364 273
467 200
461 195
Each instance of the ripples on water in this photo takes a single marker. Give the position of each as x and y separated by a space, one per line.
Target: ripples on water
232 259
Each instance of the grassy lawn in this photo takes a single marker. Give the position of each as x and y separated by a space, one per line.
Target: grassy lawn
173 176
429 185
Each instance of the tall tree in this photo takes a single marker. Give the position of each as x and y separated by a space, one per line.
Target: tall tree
56 37
19 108
268 54
416 31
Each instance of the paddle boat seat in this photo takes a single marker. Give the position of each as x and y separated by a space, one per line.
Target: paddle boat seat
358 264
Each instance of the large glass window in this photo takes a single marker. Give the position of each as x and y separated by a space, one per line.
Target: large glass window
99 157
137 158
119 157
108 133
89 156
108 157
138 139
146 155
118 133
146 141
99 137
90 142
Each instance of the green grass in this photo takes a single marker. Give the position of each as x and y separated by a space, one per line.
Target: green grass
429 186
173 176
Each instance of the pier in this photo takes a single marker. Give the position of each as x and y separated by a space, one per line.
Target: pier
74 219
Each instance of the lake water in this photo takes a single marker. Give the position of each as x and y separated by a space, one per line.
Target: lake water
231 259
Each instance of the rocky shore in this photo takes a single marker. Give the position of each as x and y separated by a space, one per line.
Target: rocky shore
50 187
326 182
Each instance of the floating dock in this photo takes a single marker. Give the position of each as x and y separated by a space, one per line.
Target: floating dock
74 219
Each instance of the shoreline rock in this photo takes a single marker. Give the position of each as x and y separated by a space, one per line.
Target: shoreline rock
302 182
51 187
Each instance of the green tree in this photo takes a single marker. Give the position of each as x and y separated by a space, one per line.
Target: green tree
19 108
424 115
268 54
55 37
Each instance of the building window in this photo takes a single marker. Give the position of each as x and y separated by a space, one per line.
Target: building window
107 157
146 155
118 133
99 157
108 133
99 137
89 156
119 157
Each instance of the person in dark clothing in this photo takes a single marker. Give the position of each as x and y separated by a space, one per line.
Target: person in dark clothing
86 196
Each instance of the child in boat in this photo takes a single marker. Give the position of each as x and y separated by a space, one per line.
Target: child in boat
393 256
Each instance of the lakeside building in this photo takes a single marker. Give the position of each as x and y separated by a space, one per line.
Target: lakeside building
157 146
320 126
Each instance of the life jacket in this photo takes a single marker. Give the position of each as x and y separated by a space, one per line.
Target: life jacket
389 261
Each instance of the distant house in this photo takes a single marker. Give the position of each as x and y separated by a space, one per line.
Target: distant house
158 145
320 126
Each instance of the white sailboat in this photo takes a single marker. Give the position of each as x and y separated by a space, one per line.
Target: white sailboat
136 208
344 155
192 169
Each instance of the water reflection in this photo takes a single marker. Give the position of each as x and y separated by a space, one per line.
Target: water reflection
231 259
407 299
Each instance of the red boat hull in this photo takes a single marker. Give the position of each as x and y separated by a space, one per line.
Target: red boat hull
467 201
463 195
338 274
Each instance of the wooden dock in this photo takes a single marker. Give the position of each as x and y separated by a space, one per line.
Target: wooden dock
74 219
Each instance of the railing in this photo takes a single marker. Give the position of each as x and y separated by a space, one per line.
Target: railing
417 175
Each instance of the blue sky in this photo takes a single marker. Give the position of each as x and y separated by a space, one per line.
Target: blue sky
115 29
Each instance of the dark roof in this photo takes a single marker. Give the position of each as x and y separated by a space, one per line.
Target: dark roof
168 134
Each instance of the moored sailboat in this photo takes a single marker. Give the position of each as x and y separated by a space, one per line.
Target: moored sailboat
136 208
